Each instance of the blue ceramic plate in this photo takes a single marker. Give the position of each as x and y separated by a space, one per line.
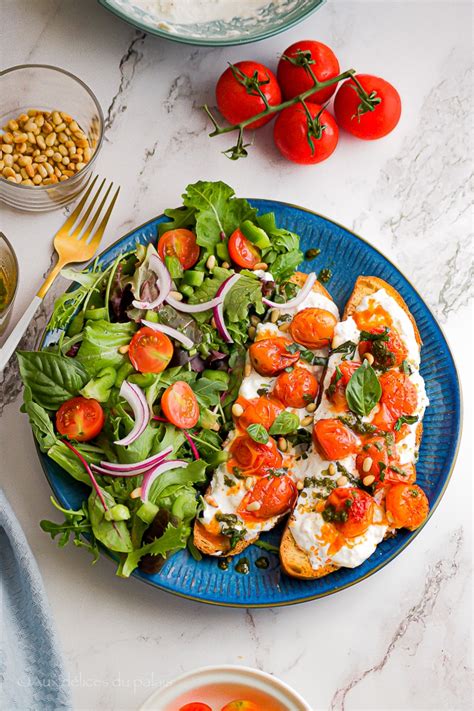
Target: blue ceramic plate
348 256
273 17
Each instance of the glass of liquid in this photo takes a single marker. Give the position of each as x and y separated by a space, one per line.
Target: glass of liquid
8 280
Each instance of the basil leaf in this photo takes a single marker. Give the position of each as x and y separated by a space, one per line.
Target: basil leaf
285 423
405 419
100 345
363 390
258 433
52 378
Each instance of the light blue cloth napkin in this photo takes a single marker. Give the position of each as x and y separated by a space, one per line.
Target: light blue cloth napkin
32 676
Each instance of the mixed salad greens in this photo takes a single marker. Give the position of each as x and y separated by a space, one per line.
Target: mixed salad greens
134 398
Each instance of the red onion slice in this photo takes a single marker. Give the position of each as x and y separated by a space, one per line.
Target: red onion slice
193 308
115 469
172 332
153 474
301 296
163 283
222 292
137 401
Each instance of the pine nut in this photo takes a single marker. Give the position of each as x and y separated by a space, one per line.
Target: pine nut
136 493
42 170
225 265
8 172
247 370
249 482
274 315
87 154
342 481
31 137
27 181
282 444
261 266
56 118
12 179
284 327
13 125
37 179
300 485
311 407
6 148
80 166
211 262
8 160
50 139
332 469
252 332
30 171
237 409
369 358
254 320
306 421
60 128
254 506
367 464
174 294
368 480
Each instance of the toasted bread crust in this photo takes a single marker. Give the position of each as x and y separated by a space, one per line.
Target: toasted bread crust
216 545
366 285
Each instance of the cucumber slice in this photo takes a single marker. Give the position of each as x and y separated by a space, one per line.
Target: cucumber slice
193 278
255 234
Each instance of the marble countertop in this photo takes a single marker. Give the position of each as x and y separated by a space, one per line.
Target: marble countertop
401 639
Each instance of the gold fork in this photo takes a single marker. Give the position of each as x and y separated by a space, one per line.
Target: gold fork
73 245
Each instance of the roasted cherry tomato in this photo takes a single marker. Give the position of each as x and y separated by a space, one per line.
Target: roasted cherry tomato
354 115
388 353
270 355
242 705
242 251
407 506
374 450
150 351
179 243
313 328
297 388
398 393
373 317
263 410
195 706
334 440
180 406
237 102
297 142
80 418
336 390
397 472
254 458
294 79
275 494
350 510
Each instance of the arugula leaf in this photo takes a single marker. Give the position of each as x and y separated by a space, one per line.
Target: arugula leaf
286 264
67 304
40 422
285 423
112 534
100 344
363 390
217 211
76 524
173 539
405 419
258 433
208 391
52 378
179 217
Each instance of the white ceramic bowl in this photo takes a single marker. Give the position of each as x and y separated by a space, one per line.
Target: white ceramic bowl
173 691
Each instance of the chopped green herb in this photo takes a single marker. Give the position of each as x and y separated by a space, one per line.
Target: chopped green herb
324 275
312 253
405 419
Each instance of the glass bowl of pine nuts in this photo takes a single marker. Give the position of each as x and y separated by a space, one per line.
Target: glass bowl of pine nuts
51 131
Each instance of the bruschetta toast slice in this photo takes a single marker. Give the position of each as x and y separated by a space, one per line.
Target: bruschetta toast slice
366 437
257 486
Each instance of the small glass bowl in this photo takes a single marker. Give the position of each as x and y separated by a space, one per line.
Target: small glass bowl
44 87
8 280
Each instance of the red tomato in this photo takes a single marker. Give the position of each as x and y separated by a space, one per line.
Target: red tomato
353 114
180 406
387 354
334 440
80 418
376 450
352 510
263 410
298 141
150 351
195 706
242 251
254 458
275 494
179 243
242 705
397 472
313 328
237 102
407 506
297 388
295 79
336 391
270 355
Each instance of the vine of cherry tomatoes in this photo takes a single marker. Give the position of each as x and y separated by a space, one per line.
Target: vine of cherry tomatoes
366 106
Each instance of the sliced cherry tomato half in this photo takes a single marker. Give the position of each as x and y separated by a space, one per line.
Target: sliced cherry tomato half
242 705
80 418
237 102
195 706
150 351
180 406
179 243
297 388
336 390
387 354
407 506
313 328
263 410
254 458
334 440
270 355
367 124
242 251
350 510
275 494
375 451
294 79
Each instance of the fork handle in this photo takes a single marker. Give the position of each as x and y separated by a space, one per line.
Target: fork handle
8 348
